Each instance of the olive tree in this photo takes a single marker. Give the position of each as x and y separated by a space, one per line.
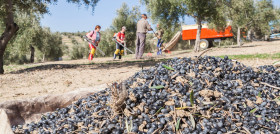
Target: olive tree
127 17
265 13
241 13
169 12
250 15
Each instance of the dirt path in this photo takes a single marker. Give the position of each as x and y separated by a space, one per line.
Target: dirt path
53 79
65 76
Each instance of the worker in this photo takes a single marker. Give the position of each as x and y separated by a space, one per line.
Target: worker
159 34
120 37
142 28
95 36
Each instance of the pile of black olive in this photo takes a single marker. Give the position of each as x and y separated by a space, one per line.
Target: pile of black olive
206 95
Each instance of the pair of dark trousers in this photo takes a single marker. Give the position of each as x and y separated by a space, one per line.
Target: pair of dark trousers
140 45
159 47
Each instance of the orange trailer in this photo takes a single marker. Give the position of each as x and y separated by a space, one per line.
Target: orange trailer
207 35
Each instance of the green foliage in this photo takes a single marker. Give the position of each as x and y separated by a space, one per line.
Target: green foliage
251 15
107 45
14 56
78 52
125 17
240 12
226 42
69 34
40 6
19 46
264 14
47 45
65 49
157 87
167 67
254 56
51 47
201 10
167 13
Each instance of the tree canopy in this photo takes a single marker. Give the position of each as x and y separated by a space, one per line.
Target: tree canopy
250 16
127 17
30 39
169 12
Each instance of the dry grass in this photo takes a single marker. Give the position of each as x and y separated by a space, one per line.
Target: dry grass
118 97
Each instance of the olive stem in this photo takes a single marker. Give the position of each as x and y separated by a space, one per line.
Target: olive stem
203 53
270 85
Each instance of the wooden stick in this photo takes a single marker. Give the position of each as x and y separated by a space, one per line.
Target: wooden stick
270 85
203 53
246 130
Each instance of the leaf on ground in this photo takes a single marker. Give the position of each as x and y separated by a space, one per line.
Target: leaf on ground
192 120
258 116
157 87
191 98
178 124
167 67
254 110
277 100
126 125
158 110
259 94
244 105
190 83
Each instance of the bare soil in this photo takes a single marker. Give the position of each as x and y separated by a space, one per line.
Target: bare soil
64 76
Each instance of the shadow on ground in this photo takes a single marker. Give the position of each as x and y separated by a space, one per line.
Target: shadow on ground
108 65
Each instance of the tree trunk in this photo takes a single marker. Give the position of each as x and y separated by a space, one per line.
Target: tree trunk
43 57
238 37
249 35
10 31
197 41
32 50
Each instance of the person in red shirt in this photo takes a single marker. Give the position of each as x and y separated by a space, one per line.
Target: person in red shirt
120 38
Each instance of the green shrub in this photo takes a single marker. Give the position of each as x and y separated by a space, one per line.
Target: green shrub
79 51
226 42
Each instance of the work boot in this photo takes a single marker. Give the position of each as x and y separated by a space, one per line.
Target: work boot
115 56
120 56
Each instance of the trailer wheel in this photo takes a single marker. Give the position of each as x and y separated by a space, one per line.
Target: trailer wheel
204 44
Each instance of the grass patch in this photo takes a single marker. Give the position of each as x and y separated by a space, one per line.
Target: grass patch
254 56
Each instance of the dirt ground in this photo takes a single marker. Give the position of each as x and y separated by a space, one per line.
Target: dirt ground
64 76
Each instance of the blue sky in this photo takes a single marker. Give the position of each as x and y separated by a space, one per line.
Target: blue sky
68 17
